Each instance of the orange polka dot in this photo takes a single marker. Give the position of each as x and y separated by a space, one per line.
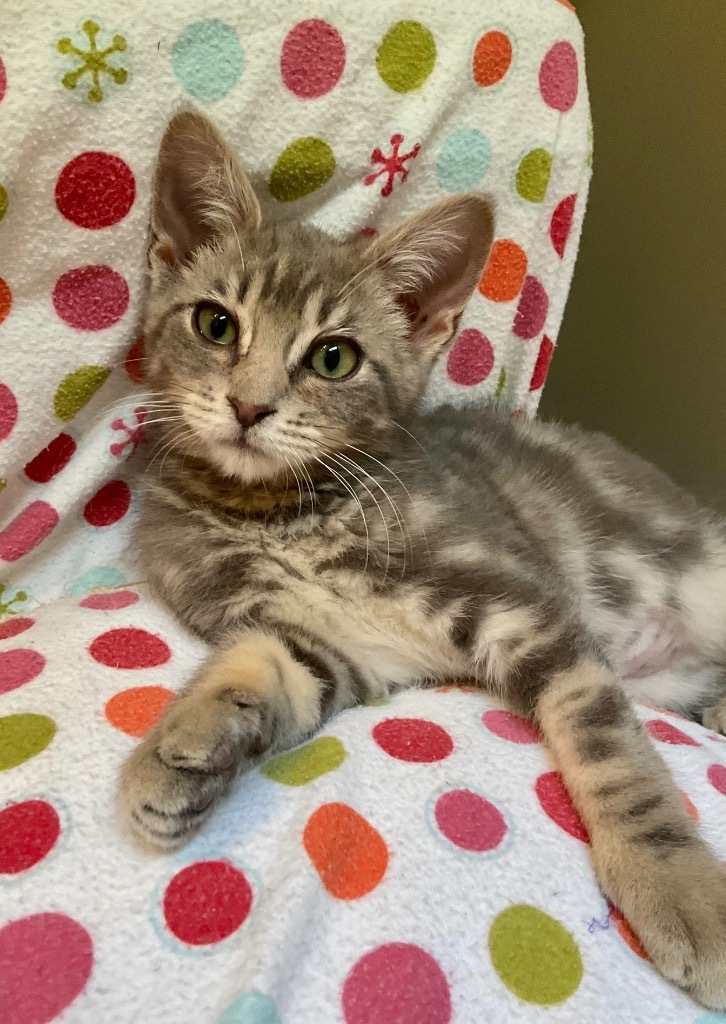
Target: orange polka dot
504 272
691 809
567 4
134 711
492 57
627 934
6 300
350 856
134 364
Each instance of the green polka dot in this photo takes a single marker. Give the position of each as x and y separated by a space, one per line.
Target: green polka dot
306 763
406 57
534 955
533 175
22 737
302 167
3 201
207 59
501 383
76 389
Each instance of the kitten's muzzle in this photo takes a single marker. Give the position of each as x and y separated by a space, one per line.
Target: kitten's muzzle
248 415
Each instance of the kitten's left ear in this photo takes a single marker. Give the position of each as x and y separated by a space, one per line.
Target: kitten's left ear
433 262
200 191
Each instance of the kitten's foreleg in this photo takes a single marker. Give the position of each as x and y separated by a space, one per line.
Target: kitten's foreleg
264 690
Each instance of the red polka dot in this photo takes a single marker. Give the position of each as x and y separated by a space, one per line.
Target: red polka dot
413 739
95 190
19 667
14 626
532 309
558 77
134 364
28 832
510 727
130 648
492 58
312 59
555 802
541 367
471 359
8 411
717 777
51 460
27 530
6 299
108 505
3 80
397 982
469 821
45 963
207 902
91 298
110 602
668 733
561 223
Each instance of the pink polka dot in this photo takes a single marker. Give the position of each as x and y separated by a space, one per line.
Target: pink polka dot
413 739
91 298
541 367
397 982
51 460
469 821
45 963
532 309
27 530
3 80
110 602
667 733
558 77
312 59
471 359
28 832
510 727
555 802
207 902
108 505
130 648
14 626
717 777
561 223
8 411
95 190
19 667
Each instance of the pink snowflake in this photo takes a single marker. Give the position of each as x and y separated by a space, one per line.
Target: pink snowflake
391 165
136 434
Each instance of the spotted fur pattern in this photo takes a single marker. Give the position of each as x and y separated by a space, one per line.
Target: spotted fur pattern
347 544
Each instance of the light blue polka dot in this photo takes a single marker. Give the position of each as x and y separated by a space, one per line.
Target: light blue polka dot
711 1018
207 59
463 161
99 576
250 1008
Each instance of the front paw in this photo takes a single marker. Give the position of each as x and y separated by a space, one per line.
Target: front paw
175 777
715 718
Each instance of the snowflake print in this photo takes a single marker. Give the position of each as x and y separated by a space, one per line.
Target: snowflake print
393 164
136 434
93 61
7 602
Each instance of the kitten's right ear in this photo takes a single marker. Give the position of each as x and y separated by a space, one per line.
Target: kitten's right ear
199 190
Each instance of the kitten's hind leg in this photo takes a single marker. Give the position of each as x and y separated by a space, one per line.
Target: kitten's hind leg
648 857
267 690
715 717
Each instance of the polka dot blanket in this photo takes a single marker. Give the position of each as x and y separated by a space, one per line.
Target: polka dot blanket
350 115
417 862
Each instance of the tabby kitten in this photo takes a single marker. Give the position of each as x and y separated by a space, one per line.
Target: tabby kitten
333 543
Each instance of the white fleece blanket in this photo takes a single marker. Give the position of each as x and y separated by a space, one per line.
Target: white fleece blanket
351 115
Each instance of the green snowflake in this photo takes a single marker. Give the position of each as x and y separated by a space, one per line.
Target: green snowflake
94 61
6 606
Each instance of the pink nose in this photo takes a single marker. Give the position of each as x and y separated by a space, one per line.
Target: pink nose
248 415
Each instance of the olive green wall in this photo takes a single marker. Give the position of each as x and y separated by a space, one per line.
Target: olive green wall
642 349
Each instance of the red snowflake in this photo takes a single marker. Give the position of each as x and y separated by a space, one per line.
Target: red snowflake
136 434
391 165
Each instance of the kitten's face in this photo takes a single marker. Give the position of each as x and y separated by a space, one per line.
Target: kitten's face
272 348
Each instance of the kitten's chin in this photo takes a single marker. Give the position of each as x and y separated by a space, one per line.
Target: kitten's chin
245 463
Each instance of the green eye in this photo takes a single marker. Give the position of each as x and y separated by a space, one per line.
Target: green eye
334 359
215 324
